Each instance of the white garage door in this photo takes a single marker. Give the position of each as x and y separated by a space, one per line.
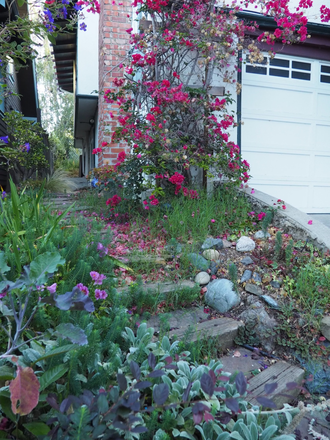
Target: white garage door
286 130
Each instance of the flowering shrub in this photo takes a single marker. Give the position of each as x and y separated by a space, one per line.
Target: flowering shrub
168 113
113 201
105 178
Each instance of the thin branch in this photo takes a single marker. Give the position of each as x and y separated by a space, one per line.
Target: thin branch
18 346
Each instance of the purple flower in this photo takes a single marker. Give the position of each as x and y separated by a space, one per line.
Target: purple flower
100 279
94 275
77 7
83 27
83 288
102 249
100 294
63 12
52 288
97 278
27 147
4 139
49 15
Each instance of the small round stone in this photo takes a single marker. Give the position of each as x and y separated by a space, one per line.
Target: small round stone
202 278
245 244
211 254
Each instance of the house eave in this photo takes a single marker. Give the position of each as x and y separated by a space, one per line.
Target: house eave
266 22
65 52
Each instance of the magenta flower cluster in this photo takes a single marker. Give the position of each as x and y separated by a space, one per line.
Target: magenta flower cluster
97 277
98 280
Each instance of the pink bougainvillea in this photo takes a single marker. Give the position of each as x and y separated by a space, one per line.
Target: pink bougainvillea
173 126
113 201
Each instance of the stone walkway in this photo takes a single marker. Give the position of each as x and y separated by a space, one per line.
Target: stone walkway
79 182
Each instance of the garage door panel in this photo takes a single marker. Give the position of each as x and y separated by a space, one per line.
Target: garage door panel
322 138
269 100
290 194
323 106
321 168
275 166
285 135
320 198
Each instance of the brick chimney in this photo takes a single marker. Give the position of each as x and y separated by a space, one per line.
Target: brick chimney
115 19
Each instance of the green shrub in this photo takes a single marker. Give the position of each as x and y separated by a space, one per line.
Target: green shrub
25 153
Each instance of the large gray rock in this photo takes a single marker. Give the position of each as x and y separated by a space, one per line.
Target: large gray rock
202 278
221 295
245 244
325 327
215 243
256 318
198 261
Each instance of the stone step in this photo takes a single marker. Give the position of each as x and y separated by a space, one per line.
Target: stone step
162 288
159 261
281 373
177 318
223 331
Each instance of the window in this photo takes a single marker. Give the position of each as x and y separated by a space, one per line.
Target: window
325 74
282 68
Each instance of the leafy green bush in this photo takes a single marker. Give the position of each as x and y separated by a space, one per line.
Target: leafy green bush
26 227
312 286
25 153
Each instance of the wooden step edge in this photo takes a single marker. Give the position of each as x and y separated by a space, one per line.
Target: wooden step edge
282 373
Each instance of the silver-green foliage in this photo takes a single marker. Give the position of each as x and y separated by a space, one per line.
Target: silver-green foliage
202 398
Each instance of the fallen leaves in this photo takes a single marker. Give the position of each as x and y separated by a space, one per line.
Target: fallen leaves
24 391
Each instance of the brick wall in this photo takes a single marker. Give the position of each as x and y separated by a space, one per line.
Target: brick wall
113 47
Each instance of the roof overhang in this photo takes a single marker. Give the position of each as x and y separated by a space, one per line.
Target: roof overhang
318 46
65 52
